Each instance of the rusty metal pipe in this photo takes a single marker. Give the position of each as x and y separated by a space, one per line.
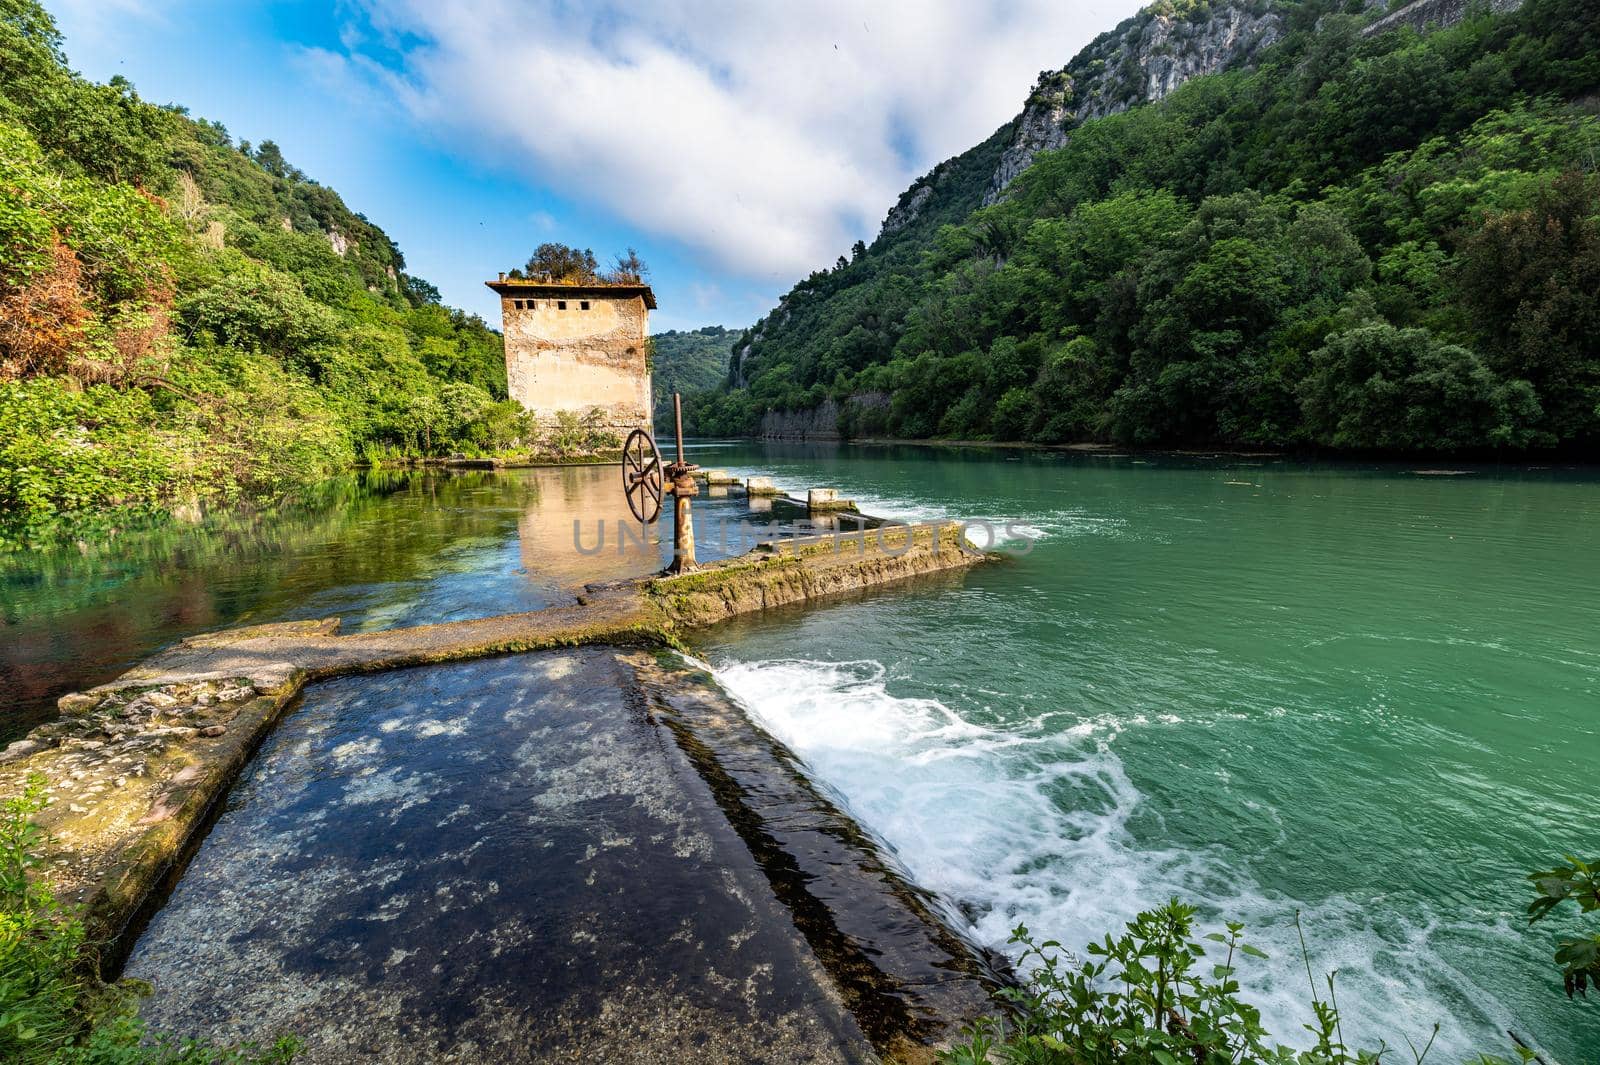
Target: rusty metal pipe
677 418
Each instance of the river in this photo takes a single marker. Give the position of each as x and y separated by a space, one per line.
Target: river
1364 694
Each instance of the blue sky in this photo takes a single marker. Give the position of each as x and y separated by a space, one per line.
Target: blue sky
737 145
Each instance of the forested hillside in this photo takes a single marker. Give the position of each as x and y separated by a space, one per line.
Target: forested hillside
689 360
1369 241
186 319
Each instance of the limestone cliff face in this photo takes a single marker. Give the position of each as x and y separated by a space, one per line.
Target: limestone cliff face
1140 61
818 423
822 421
1425 14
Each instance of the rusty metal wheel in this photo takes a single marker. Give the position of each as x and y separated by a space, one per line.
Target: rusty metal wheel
641 476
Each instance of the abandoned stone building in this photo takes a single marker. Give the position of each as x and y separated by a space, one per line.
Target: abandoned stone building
578 347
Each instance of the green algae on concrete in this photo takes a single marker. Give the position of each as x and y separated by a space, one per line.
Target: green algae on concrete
797 571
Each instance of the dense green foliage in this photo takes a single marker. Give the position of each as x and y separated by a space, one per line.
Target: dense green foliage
1387 242
183 319
1158 994
693 360
53 1009
1579 882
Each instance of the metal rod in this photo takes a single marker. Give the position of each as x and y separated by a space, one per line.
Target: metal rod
677 417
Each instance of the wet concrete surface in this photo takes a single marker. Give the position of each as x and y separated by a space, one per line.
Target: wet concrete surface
909 980
495 861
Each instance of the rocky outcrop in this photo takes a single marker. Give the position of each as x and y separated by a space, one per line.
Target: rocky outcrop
1140 61
910 205
819 423
1424 15
1042 126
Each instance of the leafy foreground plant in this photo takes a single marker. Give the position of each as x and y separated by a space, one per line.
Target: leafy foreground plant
1579 958
1150 996
53 1008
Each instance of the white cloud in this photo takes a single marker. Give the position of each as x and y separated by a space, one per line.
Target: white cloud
707 295
765 137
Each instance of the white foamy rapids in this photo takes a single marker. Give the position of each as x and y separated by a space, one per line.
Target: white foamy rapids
1031 826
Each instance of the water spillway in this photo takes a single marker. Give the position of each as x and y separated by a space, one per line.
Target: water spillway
511 860
497 837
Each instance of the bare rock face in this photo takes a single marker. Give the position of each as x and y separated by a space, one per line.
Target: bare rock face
1423 15
1041 127
1140 61
905 212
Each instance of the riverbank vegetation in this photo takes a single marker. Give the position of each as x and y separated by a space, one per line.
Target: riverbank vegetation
1157 994
54 1009
1364 242
1578 882
1161 993
187 320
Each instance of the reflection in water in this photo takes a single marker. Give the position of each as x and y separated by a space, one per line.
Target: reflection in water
580 530
379 550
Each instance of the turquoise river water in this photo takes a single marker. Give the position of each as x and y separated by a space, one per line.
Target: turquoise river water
1369 695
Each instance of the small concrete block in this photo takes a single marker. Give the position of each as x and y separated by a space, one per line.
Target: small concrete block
828 499
760 486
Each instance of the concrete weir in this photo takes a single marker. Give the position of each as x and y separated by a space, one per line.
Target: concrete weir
583 849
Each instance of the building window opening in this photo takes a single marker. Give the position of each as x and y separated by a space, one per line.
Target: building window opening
561 305
583 305
517 304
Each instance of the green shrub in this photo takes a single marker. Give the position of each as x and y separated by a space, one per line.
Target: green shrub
578 435
67 448
261 310
1157 994
1578 882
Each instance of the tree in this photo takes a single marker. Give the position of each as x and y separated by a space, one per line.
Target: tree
270 157
1531 281
1376 386
628 269
561 264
